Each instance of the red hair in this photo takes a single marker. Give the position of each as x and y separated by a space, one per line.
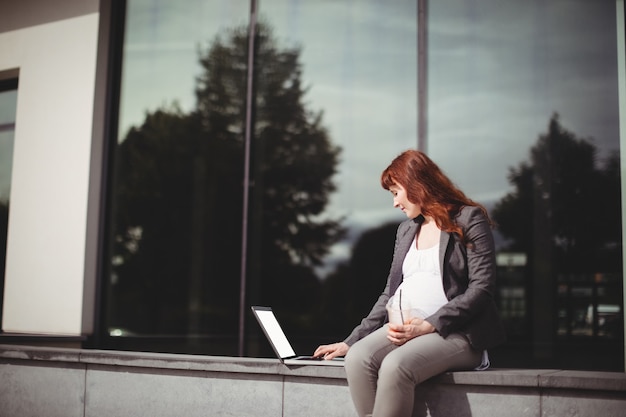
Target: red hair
428 186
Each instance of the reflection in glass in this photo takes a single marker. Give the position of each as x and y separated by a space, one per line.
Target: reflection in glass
332 106
522 113
8 108
528 90
175 236
359 75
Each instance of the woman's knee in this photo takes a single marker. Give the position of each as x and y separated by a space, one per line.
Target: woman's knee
367 354
356 357
394 369
363 358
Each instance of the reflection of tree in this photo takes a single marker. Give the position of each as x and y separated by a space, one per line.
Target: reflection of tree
564 214
369 266
353 288
178 209
578 200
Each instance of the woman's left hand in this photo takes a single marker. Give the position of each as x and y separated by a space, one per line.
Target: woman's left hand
399 334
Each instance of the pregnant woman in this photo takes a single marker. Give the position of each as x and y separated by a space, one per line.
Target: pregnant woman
441 284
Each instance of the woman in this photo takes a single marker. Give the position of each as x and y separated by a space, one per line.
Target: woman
444 268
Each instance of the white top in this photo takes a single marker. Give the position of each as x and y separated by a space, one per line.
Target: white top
422 285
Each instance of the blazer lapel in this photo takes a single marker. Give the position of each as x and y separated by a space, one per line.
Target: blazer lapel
443 245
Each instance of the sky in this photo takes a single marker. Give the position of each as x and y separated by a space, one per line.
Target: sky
365 84
497 71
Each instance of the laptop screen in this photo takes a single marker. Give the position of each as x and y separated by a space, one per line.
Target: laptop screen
274 332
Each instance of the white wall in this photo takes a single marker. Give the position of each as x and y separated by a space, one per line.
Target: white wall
43 291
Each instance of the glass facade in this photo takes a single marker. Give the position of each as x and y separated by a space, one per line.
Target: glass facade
252 136
8 108
529 92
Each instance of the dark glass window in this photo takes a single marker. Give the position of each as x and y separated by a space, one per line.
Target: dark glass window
330 104
8 109
176 198
252 136
528 91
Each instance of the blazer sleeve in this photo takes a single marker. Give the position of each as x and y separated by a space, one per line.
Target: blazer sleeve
469 274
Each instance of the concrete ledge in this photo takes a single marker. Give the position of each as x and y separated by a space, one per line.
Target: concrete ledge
37 381
540 378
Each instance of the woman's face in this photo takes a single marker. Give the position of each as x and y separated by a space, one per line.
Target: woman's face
401 201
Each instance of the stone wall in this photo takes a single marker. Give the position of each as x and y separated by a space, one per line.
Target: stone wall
51 382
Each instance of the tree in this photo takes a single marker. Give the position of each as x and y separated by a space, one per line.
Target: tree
563 187
294 164
353 287
178 196
564 214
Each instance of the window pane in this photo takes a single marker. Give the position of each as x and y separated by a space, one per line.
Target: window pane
8 107
528 90
175 231
333 104
321 225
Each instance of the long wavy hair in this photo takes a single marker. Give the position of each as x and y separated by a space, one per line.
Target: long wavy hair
427 185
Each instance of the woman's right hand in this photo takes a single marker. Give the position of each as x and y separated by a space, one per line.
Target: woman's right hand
332 351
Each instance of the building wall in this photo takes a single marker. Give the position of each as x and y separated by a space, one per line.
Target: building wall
54 55
52 47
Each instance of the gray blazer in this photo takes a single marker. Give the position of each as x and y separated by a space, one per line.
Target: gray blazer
469 281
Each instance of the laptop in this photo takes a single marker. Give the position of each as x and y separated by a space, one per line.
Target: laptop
266 318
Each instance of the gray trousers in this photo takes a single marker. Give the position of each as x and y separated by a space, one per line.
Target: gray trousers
382 376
